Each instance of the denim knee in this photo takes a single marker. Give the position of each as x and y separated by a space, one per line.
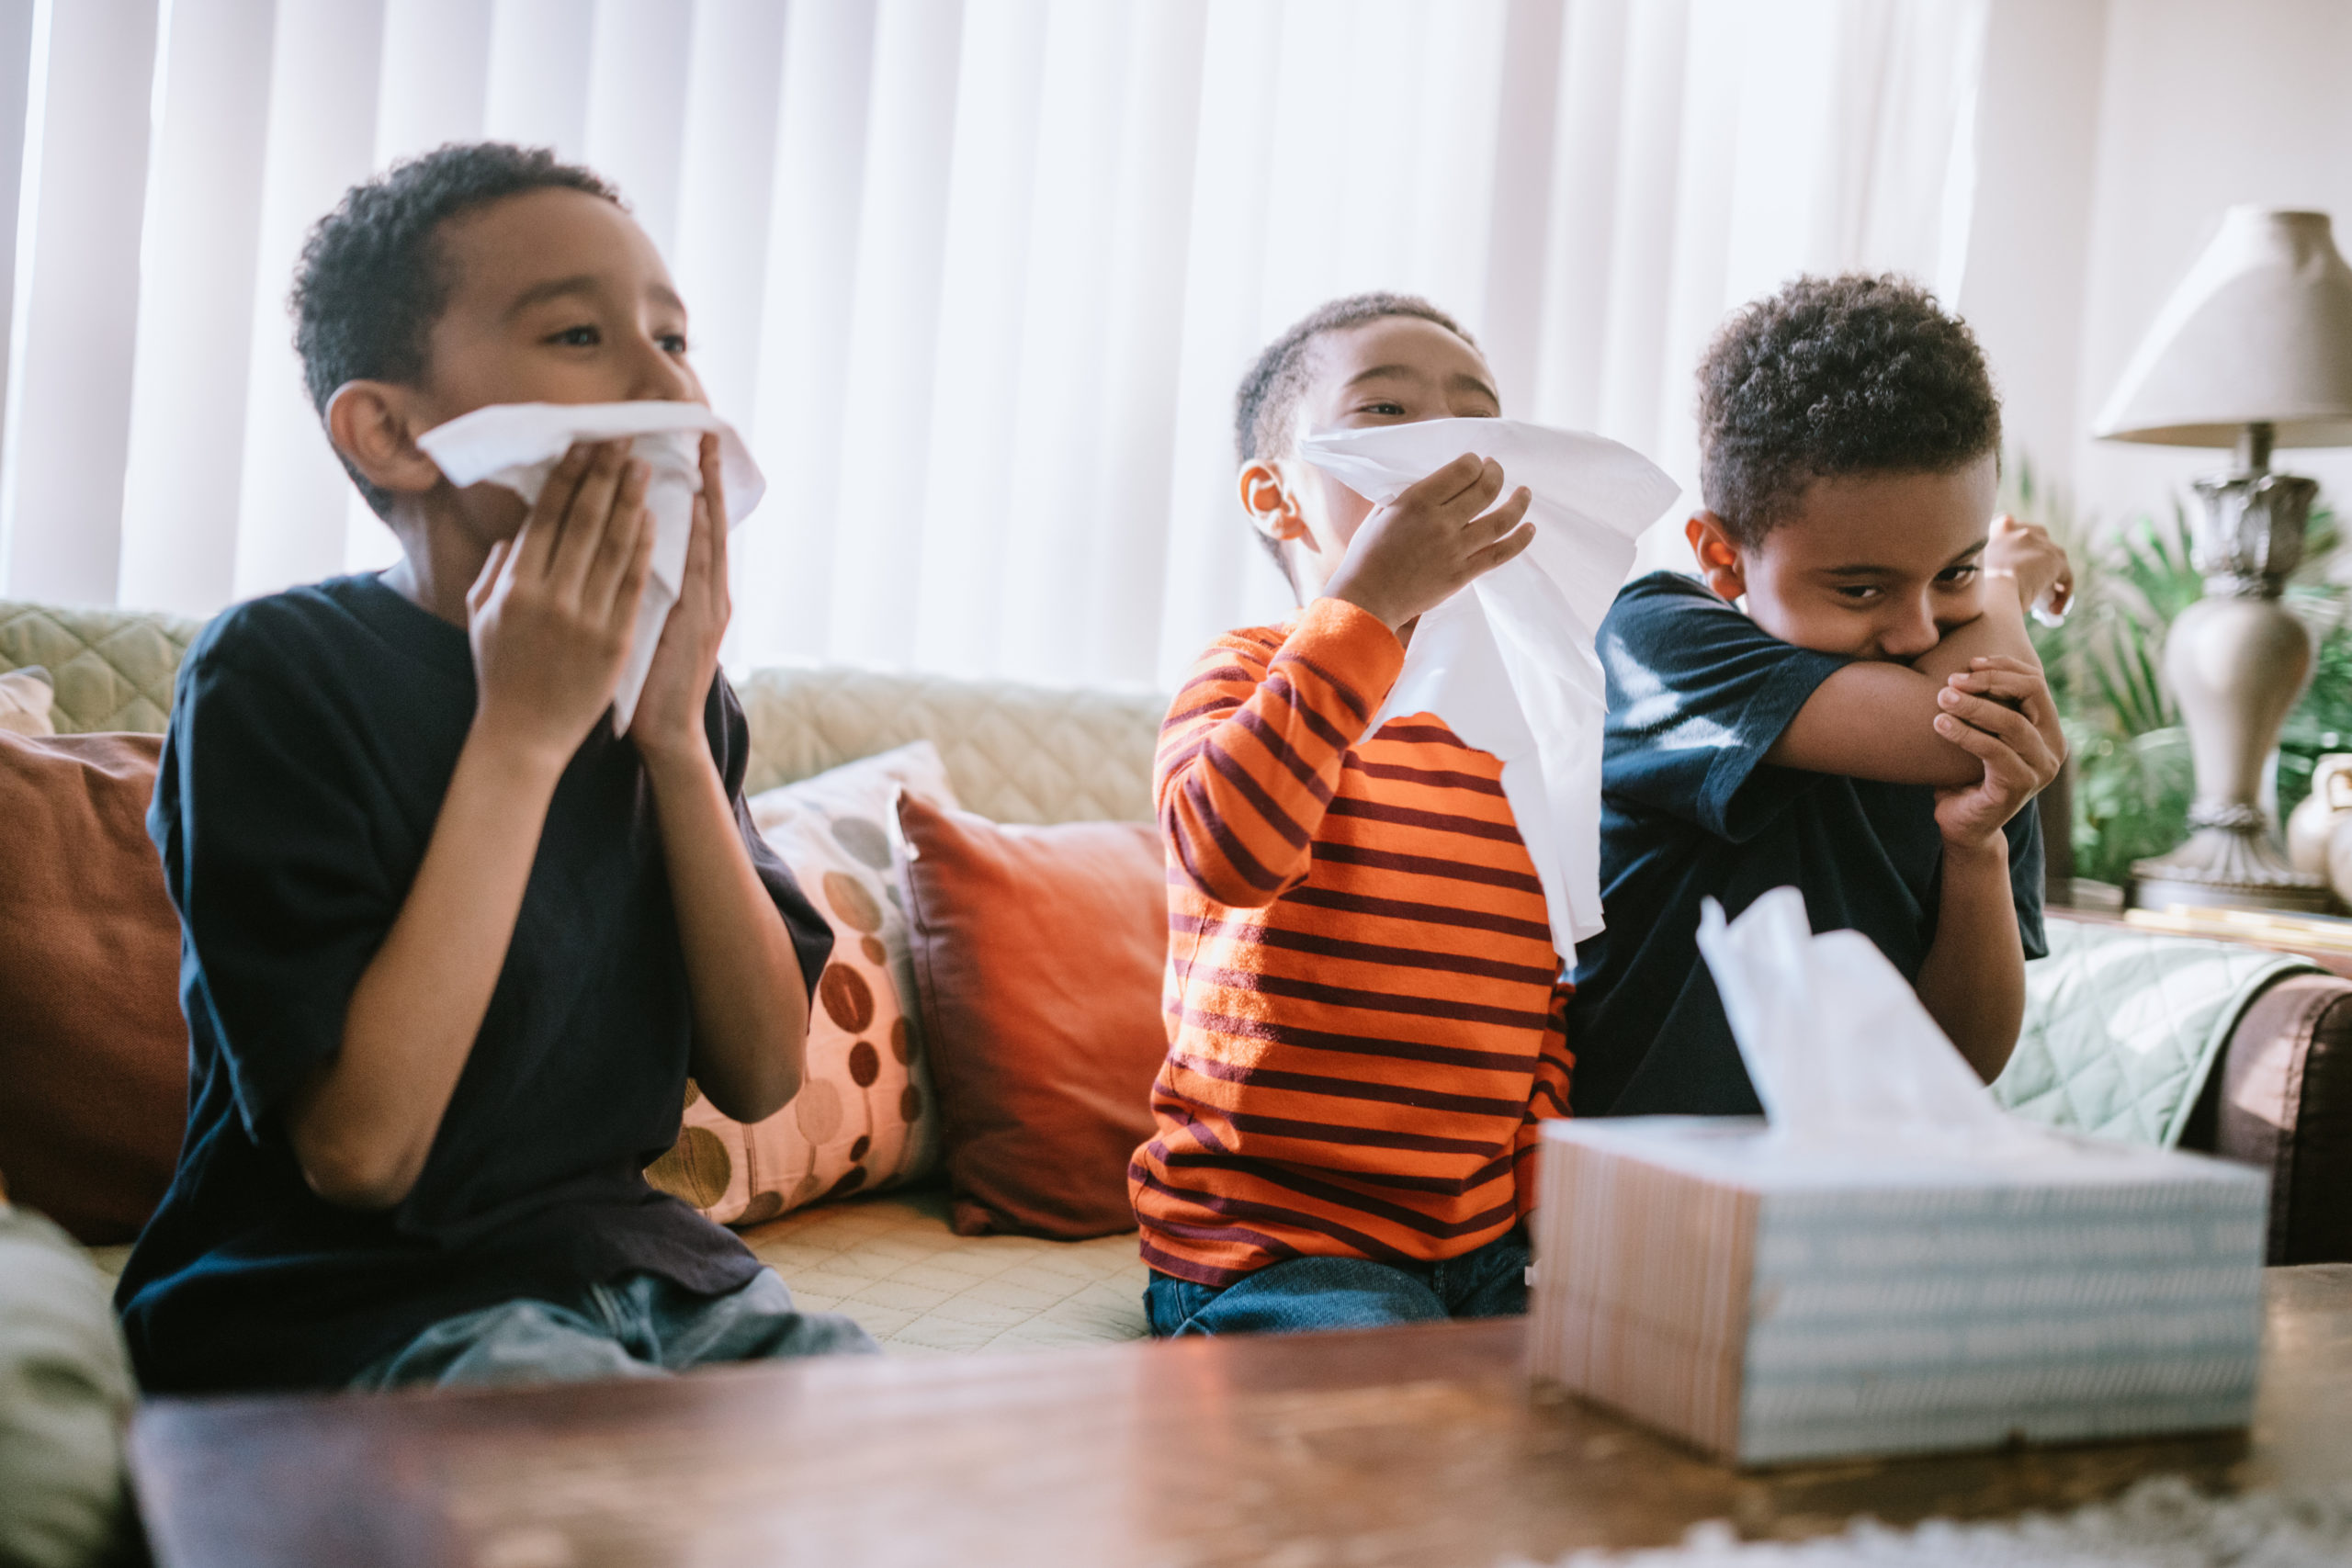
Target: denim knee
1297 1296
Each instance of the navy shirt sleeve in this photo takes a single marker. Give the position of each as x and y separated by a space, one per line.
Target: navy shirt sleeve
267 840
1698 693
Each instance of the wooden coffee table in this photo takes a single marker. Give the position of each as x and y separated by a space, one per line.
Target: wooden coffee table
1420 1446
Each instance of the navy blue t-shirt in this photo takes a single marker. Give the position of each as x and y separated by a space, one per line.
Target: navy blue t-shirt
311 740
1689 809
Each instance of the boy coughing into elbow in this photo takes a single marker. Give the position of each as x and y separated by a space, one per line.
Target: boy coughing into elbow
1845 701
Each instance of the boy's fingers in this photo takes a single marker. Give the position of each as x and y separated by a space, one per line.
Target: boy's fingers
2019 737
1998 718
585 519
714 480
487 579
612 556
707 562
714 501
618 537
614 531
538 545
2016 685
1447 485
623 610
2015 681
2002 764
1482 561
715 518
1479 494
1503 519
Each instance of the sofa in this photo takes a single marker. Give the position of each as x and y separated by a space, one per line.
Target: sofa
2278 1094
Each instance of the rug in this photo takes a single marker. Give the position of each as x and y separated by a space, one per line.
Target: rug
2161 1523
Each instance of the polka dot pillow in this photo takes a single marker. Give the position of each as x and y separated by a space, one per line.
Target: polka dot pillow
865 1117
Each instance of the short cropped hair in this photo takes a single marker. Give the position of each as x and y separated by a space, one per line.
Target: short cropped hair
1265 408
1830 377
372 281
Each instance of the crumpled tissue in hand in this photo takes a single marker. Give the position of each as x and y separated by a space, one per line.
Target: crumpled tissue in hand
1508 663
517 446
1840 1049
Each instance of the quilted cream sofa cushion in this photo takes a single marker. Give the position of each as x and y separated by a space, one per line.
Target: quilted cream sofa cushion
112 668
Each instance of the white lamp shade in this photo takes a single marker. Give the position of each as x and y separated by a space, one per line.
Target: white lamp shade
2259 332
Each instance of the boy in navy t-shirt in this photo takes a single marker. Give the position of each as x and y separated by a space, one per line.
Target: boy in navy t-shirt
1847 703
450 946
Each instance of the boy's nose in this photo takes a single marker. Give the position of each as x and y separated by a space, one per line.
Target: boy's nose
1912 634
657 376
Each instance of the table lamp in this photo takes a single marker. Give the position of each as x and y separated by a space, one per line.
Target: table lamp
2253 351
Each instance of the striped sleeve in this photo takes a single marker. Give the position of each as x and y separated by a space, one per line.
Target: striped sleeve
1548 1097
1252 749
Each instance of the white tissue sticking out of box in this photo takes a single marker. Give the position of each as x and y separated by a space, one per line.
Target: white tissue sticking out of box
1508 663
517 446
1840 1050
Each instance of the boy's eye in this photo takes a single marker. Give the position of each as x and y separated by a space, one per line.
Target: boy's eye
1958 576
1392 411
1856 593
576 337
673 343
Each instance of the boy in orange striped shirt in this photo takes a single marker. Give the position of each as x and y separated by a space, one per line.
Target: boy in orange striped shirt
1363 1002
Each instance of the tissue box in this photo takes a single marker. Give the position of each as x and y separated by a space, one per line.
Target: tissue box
1769 1304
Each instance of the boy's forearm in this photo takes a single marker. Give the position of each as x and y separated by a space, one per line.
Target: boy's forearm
1247 767
1877 720
362 1128
1972 983
750 1000
1999 633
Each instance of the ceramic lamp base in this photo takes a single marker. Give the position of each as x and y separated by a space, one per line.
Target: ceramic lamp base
2237 661
2227 868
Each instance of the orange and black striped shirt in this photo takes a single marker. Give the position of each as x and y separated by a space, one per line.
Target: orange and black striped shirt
1364 1004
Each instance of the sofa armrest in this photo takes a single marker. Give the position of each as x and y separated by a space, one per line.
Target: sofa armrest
2281 1099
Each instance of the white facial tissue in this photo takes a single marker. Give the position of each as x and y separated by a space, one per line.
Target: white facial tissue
517 446
1840 1049
1508 663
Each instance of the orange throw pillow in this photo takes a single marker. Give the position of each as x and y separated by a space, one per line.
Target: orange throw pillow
1037 958
93 1049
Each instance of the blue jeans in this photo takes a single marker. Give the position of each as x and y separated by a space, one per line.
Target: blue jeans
1303 1294
640 1325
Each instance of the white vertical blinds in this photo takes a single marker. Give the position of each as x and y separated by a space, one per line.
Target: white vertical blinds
976 277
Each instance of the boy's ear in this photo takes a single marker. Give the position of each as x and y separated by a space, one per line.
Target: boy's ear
1266 497
1719 559
369 423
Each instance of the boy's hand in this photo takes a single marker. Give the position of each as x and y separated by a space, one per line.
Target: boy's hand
668 724
2026 553
2000 713
549 617
1416 552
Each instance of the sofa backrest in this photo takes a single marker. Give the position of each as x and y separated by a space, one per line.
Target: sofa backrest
112 669
1016 753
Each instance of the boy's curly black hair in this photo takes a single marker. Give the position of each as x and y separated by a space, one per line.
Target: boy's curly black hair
371 283
1266 404
1833 376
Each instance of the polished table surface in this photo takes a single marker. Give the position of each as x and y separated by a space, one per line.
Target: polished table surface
1420 1446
